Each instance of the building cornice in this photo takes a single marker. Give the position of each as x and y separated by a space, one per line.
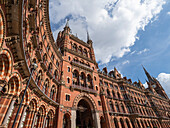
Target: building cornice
79 41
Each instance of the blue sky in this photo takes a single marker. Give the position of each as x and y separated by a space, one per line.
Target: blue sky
156 40
129 36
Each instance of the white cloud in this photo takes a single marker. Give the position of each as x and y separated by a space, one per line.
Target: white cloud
143 51
145 85
168 13
112 27
125 62
133 52
164 80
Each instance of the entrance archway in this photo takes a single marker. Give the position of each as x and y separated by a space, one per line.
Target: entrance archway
84 115
66 121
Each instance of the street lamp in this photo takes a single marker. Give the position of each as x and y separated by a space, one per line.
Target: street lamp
33 67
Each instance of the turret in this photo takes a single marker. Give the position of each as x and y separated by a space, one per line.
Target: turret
67 28
154 85
90 42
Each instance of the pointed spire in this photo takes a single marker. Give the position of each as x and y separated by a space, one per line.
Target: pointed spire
88 37
67 23
67 28
148 75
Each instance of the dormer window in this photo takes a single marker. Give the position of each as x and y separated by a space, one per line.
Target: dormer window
48 47
52 56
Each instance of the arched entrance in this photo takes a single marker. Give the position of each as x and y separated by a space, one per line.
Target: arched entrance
66 121
102 122
84 115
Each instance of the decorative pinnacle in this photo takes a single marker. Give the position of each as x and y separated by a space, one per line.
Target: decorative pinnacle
88 37
67 25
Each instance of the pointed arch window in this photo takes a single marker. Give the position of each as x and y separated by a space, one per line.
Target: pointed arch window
117 107
53 92
108 92
111 106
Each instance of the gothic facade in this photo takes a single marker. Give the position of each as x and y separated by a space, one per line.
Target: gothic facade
67 89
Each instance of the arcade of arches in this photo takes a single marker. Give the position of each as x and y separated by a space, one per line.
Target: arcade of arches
66 89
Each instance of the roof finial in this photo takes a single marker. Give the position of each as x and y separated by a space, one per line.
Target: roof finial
88 37
67 25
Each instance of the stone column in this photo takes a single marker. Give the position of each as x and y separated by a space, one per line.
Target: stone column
22 116
86 82
9 112
92 84
73 118
44 122
96 119
34 119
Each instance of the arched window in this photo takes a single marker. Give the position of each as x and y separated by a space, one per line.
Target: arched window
50 67
113 94
52 56
49 120
4 65
75 74
111 106
45 87
83 79
53 92
122 123
88 78
129 109
45 57
132 122
29 48
56 74
74 47
68 80
66 121
23 121
85 53
38 118
108 92
138 124
117 107
39 77
68 69
142 124
116 123
48 47
34 61
81 62
89 81
40 46
80 49
88 64
57 63
118 95
122 107
128 123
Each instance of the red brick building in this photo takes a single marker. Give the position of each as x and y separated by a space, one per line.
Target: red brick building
67 90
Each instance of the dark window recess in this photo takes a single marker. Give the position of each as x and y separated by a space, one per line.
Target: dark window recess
99 103
67 97
111 85
69 58
106 84
68 80
68 69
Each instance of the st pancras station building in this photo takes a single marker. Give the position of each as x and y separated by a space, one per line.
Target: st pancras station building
57 84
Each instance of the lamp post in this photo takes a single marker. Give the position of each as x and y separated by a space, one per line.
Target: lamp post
33 67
